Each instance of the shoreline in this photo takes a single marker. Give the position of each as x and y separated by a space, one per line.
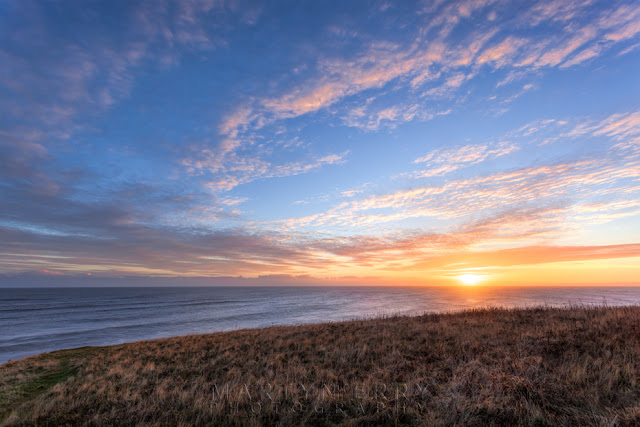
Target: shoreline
544 365
380 316
374 317
96 317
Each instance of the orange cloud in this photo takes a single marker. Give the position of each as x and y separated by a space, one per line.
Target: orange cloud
534 255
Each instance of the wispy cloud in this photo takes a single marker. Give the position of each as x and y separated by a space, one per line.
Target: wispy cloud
584 178
143 250
432 66
59 80
621 127
442 161
435 64
235 170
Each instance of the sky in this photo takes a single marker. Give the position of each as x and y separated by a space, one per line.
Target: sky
237 142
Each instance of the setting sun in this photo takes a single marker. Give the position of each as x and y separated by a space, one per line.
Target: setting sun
470 279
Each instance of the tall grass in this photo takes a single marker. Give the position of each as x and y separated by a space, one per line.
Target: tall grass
540 366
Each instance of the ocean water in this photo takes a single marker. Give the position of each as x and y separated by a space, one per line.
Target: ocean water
33 321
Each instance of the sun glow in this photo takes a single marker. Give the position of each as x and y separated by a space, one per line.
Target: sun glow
470 279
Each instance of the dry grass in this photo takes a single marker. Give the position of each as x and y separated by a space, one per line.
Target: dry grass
578 366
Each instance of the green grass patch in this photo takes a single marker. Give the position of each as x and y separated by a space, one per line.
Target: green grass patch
42 372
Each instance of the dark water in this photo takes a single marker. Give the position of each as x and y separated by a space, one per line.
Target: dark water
37 320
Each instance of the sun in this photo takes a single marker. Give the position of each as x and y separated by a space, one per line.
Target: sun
470 279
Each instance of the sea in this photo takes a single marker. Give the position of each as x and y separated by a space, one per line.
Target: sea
34 321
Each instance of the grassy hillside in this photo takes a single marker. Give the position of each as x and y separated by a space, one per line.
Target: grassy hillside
578 366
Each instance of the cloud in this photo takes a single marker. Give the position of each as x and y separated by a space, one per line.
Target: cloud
609 173
86 67
383 83
61 215
535 255
390 117
117 247
519 208
237 170
351 193
59 79
501 54
621 127
560 53
439 64
556 11
583 56
449 160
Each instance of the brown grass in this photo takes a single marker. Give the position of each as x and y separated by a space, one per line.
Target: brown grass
543 366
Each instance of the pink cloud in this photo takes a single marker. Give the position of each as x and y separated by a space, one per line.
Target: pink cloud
503 53
446 161
242 171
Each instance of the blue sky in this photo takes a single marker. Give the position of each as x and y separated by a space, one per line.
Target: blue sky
321 141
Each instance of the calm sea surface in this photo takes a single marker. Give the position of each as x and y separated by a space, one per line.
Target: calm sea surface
38 320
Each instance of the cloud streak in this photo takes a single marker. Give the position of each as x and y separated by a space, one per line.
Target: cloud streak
443 161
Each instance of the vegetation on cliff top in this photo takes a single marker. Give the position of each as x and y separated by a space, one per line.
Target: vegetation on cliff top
542 366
